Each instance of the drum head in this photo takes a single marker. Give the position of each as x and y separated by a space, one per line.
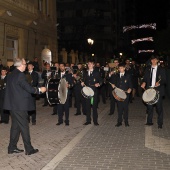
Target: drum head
62 91
149 95
88 91
120 93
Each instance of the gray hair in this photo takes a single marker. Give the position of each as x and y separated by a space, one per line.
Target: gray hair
18 62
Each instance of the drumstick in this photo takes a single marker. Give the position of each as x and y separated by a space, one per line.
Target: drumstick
116 87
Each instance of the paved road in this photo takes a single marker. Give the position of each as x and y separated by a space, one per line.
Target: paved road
79 147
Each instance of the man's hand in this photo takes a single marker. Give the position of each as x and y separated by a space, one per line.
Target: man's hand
113 86
82 83
157 84
143 85
129 90
43 89
97 85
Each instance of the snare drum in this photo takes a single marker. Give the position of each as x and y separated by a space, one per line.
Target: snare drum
150 96
87 92
119 94
56 91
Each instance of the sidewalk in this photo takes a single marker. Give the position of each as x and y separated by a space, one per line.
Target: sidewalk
79 147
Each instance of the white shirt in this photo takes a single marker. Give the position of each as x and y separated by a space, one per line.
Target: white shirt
154 75
89 72
62 74
121 74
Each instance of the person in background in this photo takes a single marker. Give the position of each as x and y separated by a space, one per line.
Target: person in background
4 113
36 64
34 83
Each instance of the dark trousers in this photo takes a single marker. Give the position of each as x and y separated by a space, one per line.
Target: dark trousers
94 108
20 126
63 108
159 109
55 109
123 110
112 103
4 115
80 101
32 114
102 92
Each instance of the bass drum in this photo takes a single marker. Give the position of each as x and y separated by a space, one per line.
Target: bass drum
56 91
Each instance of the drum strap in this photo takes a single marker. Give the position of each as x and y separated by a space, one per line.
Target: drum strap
92 100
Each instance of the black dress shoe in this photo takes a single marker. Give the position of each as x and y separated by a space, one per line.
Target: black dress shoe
159 126
126 124
33 123
118 124
77 114
4 122
67 124
32 152
87 123
59 123
54 114
96 124
110 114
15 151
149 124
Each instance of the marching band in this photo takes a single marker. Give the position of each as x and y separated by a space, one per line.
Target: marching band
86 82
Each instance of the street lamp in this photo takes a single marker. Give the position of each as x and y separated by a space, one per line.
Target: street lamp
90 41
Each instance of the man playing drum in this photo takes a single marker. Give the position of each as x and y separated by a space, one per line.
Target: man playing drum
124 82
155 77
64 108
92 79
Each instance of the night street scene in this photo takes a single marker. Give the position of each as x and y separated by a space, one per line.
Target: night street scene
84 85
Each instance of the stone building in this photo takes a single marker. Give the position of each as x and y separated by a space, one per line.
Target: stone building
26 28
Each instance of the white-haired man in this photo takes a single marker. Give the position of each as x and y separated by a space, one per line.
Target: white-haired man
17 101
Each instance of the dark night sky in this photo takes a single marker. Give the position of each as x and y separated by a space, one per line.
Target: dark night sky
149 11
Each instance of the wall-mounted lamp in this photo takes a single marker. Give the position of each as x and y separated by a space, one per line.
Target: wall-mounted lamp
34 22
9 13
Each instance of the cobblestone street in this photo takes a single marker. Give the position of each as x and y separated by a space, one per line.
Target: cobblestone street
79 147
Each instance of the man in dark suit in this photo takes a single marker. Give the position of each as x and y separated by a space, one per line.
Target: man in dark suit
46 74
4 113
112 77
124 82
79 99
93 80
155 77
17 101
64 108
34 83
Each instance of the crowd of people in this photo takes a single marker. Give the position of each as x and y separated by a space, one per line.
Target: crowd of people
116 82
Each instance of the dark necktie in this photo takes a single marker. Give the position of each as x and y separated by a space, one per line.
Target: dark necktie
151 76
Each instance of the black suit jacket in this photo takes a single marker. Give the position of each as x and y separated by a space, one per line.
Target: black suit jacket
125 82
18 92
2 91
160 76
35 78
91 80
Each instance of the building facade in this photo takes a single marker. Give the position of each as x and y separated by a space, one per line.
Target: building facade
26 28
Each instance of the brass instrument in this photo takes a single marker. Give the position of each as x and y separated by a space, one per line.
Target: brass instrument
79 75
114 70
